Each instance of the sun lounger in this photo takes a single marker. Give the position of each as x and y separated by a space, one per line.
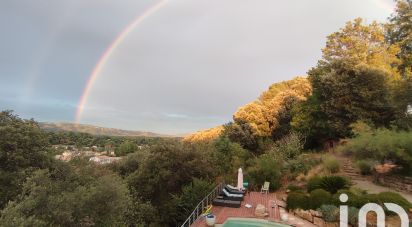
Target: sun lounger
226 203
228 196
233 190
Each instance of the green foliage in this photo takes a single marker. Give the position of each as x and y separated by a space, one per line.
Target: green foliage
23 149
383 145
191 195
130 163
302 164
392 197
314 183
358 199
319 197
353 81
68 197
164 171
125 148
294 188
312 122
331 184
399 29
297 200
366 88
142 214
402 98
331 164
365 167
353 216
242 133
289 146
87 140
329 212
354 199
265 168
228 156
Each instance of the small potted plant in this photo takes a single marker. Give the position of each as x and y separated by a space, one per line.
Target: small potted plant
210 219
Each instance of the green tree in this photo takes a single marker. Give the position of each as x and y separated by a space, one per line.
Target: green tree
289 147
309 120
242 133
191 195
166 169
23 149
266 168
125 148
358 43
229 157
342 95
351 94
399 30
64 196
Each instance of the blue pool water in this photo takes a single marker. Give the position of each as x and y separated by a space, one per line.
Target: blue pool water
250 223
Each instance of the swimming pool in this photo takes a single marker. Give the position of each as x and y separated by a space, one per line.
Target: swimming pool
250 222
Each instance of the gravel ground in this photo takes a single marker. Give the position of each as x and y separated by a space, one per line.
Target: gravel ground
373 188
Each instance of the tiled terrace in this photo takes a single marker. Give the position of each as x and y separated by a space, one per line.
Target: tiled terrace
254 198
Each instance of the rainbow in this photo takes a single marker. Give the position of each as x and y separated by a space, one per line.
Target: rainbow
119 39
109 51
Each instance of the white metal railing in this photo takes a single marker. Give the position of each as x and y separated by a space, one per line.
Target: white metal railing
202 205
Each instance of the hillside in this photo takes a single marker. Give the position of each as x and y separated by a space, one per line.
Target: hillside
95 130
267 113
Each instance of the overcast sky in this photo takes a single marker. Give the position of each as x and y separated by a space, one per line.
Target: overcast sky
186 67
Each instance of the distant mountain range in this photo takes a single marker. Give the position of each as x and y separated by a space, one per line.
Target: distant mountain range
95 130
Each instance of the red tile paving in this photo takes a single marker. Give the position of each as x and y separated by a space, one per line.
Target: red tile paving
253 198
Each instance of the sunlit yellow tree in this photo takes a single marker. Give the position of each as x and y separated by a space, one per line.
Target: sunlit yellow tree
264 114
358 43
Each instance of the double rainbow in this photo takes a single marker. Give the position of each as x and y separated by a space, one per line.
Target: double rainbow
108 52
119 39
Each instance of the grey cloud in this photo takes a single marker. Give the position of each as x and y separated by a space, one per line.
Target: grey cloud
187 67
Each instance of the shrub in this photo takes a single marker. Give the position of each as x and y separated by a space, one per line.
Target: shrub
314 183
190 197
329 212
365 167
354 199
294 188
333 184
290 146
302 164
331 164
353 216
265 168
319 197
358 199
381 145
297 200
392 197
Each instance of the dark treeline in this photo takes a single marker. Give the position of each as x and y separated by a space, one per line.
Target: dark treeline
87 140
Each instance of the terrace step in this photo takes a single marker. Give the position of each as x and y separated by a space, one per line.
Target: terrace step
349 170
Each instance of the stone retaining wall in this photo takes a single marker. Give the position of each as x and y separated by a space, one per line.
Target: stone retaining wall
314 217
397 183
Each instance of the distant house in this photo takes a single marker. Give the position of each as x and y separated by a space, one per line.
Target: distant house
409 109
101 160
68 155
